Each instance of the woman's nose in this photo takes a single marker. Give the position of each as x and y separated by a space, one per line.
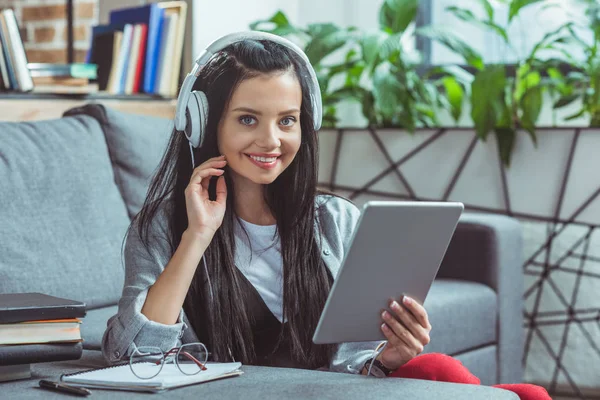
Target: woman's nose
269 137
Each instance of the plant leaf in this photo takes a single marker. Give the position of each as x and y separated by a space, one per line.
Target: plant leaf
278 24
526 80
396 15
531 104
386 92
353 75
455 94
468 16
566 100
325 39
505 138
390 46
460 74
489 9
455 44
554 73
579 114
547 39
370 45
487 93
517 5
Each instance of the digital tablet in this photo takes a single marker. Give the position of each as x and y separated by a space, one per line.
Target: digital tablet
396 249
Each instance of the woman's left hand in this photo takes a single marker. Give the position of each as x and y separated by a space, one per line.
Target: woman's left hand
407 331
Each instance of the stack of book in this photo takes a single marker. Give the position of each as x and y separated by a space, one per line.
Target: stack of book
140 49
35 328
74 78
14 75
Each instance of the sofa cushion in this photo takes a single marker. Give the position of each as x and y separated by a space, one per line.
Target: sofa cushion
136 144
462 314
62 219
94 325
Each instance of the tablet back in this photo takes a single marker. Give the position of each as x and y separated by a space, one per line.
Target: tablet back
396 250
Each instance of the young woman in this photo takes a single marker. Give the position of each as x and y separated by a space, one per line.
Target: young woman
240 252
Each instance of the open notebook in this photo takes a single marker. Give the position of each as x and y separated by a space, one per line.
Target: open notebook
120 377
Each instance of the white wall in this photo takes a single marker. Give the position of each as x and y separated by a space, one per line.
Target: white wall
213 19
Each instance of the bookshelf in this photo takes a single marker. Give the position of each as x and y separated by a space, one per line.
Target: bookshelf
44 104
17 107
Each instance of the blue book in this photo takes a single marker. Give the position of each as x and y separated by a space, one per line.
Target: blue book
150 15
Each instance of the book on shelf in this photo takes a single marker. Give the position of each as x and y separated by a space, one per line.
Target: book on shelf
60 80
140 49
71 78
14 74
90 88
73 70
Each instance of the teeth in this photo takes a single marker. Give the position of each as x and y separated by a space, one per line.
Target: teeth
264 159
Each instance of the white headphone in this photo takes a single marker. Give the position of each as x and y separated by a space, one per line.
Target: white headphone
191 113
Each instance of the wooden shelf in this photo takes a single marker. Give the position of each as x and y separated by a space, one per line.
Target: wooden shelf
79 96
17 107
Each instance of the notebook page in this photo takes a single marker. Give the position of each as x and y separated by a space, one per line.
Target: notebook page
169 376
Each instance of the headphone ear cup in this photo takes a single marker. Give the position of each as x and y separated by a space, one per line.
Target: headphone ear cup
196 115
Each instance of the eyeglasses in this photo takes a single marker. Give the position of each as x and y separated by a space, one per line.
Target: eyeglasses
147 362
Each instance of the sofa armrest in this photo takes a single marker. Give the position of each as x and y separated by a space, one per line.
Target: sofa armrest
488 249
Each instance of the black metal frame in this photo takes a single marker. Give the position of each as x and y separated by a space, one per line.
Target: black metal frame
543 271
423 19
70 50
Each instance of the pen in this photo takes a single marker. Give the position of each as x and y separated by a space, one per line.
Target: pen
61 387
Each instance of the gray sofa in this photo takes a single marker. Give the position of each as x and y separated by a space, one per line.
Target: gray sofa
70 187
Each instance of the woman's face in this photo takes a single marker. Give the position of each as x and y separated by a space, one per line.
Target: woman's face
259 133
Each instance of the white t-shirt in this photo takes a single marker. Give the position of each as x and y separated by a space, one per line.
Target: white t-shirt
258 257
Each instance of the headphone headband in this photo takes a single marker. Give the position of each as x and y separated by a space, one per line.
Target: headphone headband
221 43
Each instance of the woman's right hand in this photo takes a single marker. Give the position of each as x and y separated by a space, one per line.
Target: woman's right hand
204 215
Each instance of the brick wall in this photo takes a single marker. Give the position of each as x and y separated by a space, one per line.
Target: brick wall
43 27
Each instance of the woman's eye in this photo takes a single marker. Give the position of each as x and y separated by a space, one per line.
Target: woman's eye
247 120
288 121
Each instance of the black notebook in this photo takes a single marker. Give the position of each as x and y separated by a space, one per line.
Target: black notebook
21 307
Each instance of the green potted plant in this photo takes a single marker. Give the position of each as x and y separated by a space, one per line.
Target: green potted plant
395 95
372 69
500 103
582 82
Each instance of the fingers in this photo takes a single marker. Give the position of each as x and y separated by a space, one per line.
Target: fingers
209 164
418 311
199 175
403 334
205 183
418 331
396 343
221 190
211 167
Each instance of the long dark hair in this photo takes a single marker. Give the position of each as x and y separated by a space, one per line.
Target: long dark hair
222 322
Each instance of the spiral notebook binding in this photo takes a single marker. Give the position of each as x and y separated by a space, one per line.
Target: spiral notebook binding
94 369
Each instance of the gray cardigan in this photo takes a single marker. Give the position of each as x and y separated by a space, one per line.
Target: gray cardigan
129 328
